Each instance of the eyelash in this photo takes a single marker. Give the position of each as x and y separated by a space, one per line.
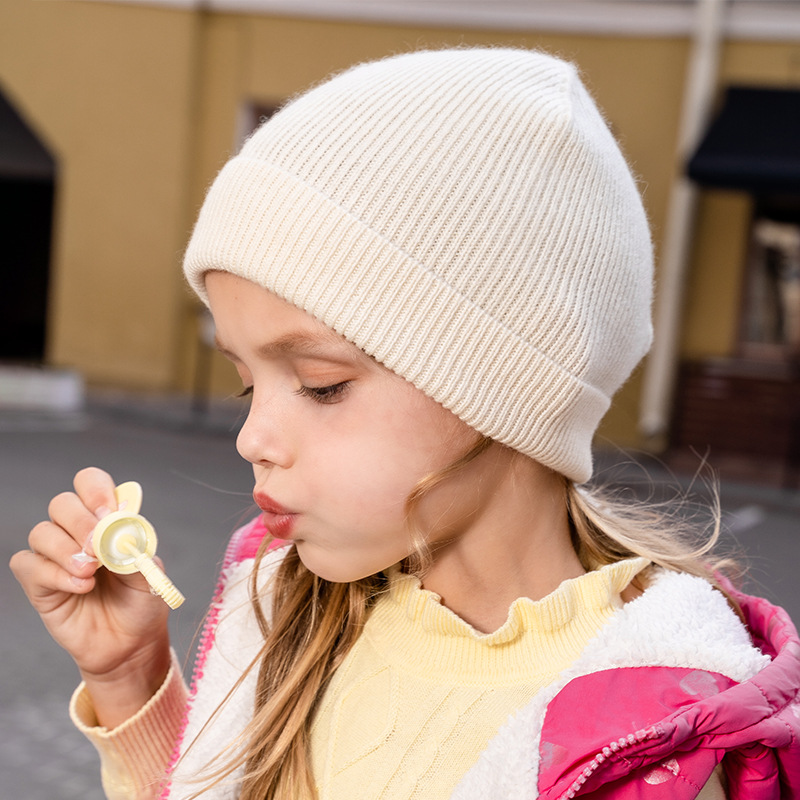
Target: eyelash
324 394
319 394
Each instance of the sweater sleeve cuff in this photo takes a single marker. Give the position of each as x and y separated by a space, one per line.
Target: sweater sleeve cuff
134 756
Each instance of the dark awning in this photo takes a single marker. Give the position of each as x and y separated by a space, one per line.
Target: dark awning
22 154
753 144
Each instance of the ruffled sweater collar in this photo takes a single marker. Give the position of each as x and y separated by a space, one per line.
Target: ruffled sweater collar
410 625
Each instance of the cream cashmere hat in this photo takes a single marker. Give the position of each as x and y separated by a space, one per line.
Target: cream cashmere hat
466 218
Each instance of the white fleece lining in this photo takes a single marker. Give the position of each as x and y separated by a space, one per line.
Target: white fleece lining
679 621
237 641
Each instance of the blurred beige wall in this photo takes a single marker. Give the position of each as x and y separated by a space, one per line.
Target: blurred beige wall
143 105
110 89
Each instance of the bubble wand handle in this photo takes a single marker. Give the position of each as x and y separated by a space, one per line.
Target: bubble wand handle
159 582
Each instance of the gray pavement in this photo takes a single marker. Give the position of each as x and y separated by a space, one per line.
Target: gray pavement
197 491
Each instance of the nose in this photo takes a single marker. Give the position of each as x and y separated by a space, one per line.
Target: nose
262 439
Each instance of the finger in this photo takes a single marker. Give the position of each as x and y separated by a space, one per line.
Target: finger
70 513
54 543
95 487
44 580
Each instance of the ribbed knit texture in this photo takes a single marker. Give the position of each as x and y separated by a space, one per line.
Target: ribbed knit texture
466 218
134 755
421 693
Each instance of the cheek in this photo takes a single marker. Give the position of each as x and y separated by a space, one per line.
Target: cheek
369 480
367 467
384 458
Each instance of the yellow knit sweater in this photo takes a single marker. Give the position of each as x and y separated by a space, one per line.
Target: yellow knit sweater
422 692
414 703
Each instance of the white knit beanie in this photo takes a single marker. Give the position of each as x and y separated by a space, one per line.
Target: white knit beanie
466 218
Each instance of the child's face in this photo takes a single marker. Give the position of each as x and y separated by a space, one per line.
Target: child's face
337 441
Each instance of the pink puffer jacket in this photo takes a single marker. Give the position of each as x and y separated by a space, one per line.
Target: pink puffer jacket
657 733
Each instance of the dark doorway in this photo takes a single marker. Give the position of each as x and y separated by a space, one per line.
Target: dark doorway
27 190
743 411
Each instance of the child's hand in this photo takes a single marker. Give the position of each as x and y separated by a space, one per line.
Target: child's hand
110 624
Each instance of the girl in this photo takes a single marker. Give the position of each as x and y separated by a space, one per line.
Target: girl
432 273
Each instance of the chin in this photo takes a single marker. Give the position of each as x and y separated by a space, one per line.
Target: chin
335 569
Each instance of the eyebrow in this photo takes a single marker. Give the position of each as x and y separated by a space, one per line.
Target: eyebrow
301 344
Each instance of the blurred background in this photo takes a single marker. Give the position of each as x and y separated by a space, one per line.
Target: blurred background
114 118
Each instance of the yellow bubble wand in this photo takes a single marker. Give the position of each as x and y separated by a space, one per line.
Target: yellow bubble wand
125 542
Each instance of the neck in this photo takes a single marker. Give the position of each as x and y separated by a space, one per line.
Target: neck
518 546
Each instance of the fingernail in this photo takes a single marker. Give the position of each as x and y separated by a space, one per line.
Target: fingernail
78 582
83 558
88 549
101 512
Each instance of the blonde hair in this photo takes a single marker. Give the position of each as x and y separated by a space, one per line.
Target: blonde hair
314 622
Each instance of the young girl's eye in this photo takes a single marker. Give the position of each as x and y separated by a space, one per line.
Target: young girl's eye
325 394
246 392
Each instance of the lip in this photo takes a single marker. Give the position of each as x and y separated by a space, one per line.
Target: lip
266 503
277 519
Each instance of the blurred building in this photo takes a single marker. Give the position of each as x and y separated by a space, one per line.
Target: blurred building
135 106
